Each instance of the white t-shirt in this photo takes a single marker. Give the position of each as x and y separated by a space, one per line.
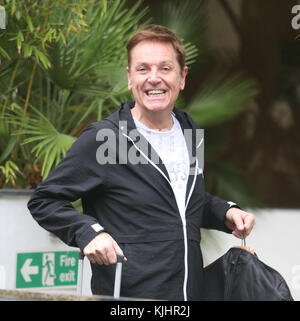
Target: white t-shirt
171 148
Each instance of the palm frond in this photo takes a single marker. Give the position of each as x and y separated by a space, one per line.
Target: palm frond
186 18
8 148
50 145
189 20
191 52
220 102
80 60
231 183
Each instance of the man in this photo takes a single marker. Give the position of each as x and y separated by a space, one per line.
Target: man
141 185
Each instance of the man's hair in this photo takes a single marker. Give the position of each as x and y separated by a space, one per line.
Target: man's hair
160 34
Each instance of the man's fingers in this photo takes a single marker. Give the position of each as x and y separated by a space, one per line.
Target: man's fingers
249 221
99 257
103 249
244 225
237 234
96 259
119 251
111 257
239 224
91 253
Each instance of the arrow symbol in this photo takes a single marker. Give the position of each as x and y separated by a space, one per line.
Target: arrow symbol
28 270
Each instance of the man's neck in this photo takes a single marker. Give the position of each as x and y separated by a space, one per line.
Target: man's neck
162 120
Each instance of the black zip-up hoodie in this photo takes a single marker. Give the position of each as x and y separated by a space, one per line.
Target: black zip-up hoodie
135 204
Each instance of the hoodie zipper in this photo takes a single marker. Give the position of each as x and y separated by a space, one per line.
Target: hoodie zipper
183 218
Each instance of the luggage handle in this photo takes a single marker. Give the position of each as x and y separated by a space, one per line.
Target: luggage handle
80 273
120 258
118 275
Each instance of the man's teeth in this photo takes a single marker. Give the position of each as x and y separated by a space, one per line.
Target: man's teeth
155 92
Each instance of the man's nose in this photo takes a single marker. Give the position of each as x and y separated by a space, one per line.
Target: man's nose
154 77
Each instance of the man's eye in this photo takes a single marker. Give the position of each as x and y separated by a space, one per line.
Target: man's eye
165 68
142 69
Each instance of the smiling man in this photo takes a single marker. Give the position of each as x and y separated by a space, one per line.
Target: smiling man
155 81
150 211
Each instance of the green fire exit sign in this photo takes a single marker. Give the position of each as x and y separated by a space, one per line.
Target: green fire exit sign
46 269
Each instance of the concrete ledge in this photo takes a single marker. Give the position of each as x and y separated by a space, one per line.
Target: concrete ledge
21 295
15 192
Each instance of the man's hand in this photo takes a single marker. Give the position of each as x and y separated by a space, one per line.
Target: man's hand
239 222
103 249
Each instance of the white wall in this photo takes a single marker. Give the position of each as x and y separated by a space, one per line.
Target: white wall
275 239
19 233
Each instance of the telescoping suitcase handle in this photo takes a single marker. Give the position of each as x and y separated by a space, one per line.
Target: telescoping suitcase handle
80 273
118 274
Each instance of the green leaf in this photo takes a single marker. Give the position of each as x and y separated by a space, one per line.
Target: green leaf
69 88
49 145
29 23
8 149
191 52
41 57
220 102
229 183
55 150
27 50
61 37
4 53
10 171
20 39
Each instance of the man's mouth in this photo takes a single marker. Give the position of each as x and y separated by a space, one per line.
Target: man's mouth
155 92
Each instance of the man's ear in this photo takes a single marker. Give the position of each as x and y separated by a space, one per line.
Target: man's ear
129 78
183 77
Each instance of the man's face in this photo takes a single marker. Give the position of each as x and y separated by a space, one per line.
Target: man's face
154 76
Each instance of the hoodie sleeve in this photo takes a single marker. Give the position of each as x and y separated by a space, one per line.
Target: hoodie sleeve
214 213
77 174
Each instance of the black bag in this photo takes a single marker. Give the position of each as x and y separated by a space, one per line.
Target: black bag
239 275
